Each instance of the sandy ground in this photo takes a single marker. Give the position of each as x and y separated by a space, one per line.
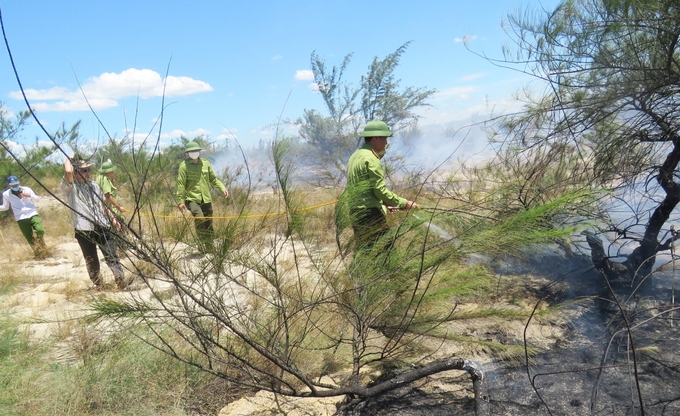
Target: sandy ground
49 294
52 293
46 294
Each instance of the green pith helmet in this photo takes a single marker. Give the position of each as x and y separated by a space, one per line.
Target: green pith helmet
192 146
107 167
376 128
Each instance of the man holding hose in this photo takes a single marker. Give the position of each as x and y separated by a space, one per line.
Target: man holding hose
367 195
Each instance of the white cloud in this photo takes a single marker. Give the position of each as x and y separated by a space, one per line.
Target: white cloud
14 147
6 112
19 149
226 137
198 132
314 87
75 104
457 93
481 110
228 133
276 58
466 38
176 134
263 131
51 94
304 75
102 92
142 137
474 76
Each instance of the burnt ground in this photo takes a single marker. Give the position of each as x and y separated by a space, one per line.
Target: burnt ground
592 370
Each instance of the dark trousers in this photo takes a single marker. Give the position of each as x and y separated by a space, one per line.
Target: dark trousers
204 224
104 239
369 226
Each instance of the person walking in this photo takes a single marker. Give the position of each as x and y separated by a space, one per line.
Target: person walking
194 179
22 200
107 182
93 221
366 194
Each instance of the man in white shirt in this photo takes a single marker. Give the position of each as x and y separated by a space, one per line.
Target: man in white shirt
22 200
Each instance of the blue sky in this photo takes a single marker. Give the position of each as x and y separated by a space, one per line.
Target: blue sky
236 67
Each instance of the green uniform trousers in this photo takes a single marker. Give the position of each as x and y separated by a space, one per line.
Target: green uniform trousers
30 226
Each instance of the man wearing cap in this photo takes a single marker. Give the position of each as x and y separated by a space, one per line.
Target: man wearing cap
194 179
93 221
107 182
22 200
366 194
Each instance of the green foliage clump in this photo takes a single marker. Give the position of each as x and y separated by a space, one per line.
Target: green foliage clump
461 284
120 376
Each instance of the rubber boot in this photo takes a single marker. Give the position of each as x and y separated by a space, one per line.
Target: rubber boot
97 280
39 247
119 275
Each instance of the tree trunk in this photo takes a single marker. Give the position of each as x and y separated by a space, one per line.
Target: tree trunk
640 263
474 369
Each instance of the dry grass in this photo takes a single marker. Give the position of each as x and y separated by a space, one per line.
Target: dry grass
105 375
10 278
144 268
13 243
72 291
113 365
76 259
56 218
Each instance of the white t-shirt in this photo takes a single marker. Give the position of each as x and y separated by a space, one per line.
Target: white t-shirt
22 208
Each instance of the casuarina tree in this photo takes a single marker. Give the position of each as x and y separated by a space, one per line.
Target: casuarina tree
378 95
612 69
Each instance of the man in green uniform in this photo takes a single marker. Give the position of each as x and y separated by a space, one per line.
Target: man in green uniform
367 196
107 182
194 179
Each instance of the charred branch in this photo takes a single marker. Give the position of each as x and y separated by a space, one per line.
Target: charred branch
474 369
602 262
667 245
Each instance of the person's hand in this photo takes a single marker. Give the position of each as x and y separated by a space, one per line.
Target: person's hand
226 193
24 195
117 225
391 209
411 205
182 207
122 208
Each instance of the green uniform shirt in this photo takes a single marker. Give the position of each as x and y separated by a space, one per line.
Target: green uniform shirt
108 188
366 182
194 180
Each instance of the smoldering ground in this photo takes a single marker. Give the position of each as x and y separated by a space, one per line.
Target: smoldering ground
618 350
590 370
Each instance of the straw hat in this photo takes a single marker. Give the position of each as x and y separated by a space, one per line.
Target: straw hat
81 164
